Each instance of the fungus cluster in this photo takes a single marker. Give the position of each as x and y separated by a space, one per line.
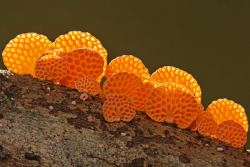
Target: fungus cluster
78 60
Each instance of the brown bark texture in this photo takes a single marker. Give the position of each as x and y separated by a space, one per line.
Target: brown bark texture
33 134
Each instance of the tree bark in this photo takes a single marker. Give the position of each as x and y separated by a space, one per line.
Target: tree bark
34 134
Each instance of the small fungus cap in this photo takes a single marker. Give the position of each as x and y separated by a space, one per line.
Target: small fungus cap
174 75
21 53
83 62
140 95
77 39
128 63
224 109
172 103
51 67
121 83
207 127
88 85
232 133
118 107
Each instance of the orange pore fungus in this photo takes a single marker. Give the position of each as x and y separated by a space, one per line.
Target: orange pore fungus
88 85
77 39
118 107
224 109
51 67
128 63
140 95
195 123
83 62
207 127
21 53
232 133
121 83
57 52
172 103
174 75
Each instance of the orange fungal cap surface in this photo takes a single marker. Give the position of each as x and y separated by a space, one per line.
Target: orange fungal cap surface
121 83
118 107
195 123
57 52
207 127
140 95
77 39
231 133
22 52
88 85
174 75
172 103
51 67
224 109
83 62
128 63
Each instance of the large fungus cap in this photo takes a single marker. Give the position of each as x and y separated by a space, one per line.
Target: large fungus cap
88 85
21 53
51 67
83 62
140 95
121 83
224 109
77 39
118 107
174 75
128 63
232 133
172 103
207 127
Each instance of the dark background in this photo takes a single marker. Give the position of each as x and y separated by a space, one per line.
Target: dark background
209 39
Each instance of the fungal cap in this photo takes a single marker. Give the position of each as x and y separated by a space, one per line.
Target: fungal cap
51 67
224 109
174 75
195 123
118 107
22 52
172 103
121 83
128 63
207 127
140 95
83 62
232 133
84 96
77 39
87 85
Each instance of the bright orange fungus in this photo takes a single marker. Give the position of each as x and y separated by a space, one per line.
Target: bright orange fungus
21 53
174 75
128 63
77 39
232 133
224 109
118 107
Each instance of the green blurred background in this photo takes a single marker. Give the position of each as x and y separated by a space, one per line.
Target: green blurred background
209 39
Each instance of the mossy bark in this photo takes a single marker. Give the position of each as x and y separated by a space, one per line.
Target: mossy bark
77 135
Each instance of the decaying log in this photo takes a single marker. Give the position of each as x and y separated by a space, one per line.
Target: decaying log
33 134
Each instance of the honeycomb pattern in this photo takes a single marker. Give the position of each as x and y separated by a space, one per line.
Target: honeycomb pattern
195 123
83 62
128 63
57 52
88 85
140 95
77 39
121 83
224 109
21 53
172 103
175 75
51 67
118 107
207 127
231 133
